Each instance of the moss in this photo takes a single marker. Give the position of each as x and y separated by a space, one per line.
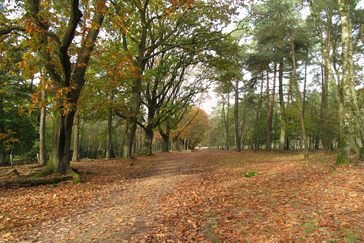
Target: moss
343 155
46 171
76 177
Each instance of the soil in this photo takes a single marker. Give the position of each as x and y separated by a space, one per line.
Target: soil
127 213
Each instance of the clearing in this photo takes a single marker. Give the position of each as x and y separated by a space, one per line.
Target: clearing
202 196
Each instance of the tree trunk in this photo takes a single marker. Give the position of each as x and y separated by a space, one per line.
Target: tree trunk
282 109
227 122
109 136
270 107
325 128
165 137
236 116
4 156
300 103
148 140
326 136
351 118
255 142
76 138
42 123
60 157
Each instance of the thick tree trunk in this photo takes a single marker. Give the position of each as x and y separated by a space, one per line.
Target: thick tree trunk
165 147
42 123
59 161
129 135
282 109
148 141
76 138
351 117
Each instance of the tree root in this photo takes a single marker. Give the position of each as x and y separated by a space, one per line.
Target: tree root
10 172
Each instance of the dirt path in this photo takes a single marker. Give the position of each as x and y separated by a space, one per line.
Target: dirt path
125 214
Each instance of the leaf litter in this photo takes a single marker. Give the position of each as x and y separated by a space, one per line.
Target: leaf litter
194 197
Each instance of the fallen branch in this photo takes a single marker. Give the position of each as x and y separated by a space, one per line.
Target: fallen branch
33 182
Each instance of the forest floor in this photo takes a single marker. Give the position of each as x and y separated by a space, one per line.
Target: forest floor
202 196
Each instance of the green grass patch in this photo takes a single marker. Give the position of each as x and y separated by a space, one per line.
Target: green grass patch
247 174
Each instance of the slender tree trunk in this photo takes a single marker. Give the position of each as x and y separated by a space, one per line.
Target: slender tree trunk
109 135
259 115
226 125
282 109
42 123
326 137
362 33
4 156
300 103
270 107
227 122
236 116
76 138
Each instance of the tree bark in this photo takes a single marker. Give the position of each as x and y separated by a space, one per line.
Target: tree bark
255 142
76 138
282 138
236 116
300 103
42 123
326 136
225 119
109 136
351 117
270 107
4 156
165 136
148 140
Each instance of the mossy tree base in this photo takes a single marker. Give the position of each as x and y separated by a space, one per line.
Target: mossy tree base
49 169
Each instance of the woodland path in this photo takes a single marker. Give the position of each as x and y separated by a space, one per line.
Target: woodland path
126 213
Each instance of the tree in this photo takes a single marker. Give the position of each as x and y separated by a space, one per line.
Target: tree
160 26
191 131
18 134
166 83
344 86
55 40
227 66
